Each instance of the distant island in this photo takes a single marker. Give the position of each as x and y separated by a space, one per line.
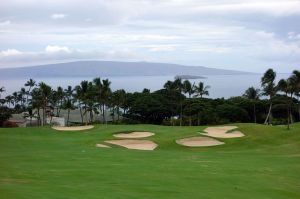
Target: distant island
112 68
189 77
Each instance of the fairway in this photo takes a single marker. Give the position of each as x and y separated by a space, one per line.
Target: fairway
42 163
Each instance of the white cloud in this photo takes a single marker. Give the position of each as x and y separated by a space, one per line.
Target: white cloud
161 47
57 49
293 35
9 52
58 16
56 53
5 23
277 8
209 49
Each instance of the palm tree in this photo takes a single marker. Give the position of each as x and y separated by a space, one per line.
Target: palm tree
98 92
287 87
178 85
296 81
16 97
118 99
60 98
68 101
253 95
30 83
2 90
269 89
45 92
10 100
189 89
106 92
36 102
201 90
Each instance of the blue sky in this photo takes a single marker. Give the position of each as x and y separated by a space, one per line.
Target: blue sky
242 35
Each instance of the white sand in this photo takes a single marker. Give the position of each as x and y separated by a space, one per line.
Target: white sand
134 144
72 128
221 132
198 141
134 135
102 146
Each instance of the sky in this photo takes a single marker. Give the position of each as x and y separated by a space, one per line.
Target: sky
240 35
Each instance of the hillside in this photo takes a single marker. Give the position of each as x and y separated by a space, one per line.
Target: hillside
110 68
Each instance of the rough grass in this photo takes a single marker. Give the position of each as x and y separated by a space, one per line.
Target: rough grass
44 163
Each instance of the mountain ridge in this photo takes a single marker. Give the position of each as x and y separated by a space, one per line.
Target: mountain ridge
111 68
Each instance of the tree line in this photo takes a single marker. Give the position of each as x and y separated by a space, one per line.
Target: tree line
179 102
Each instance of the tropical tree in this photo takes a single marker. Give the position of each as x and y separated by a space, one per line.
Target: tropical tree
269 89
45 92
105 94
295 77
16 97
253 95
98 92
118 99
36 102
30 83
9 100
288 87
178 85
189 89
58 99
201 90
68 102
2 90
82 92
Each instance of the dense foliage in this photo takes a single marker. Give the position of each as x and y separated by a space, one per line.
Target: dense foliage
177 103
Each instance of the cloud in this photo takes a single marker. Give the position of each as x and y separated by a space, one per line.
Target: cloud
5 23
227 34
9 52
276 8
60 54
58 16
57 49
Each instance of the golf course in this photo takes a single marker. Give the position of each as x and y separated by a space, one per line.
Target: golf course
44 163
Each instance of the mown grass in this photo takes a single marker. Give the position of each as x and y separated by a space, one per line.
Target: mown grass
44 163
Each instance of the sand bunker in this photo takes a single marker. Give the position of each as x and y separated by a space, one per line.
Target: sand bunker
221 132
102 146
72 128
134 144
134 135
198 141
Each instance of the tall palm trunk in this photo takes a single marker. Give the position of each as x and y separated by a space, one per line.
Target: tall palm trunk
44 114
254 112
68 119
81 115
39 116
269 116
118 113
103 113
180 112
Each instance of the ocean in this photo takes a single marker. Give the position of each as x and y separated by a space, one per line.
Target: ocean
220 85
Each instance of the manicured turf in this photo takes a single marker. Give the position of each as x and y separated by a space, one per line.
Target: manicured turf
38 163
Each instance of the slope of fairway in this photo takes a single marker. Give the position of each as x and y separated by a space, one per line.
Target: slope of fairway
45 163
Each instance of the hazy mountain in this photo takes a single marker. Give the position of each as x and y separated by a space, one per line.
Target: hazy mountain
110 68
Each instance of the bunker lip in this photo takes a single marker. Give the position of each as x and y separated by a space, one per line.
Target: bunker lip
135 134
199 141
222 132
102 146
72 128
134 144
